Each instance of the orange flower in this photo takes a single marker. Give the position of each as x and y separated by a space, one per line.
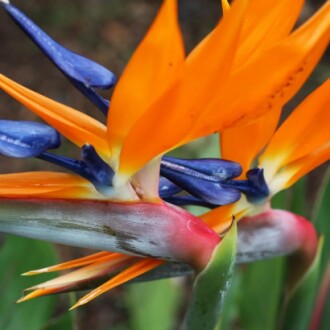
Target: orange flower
235 81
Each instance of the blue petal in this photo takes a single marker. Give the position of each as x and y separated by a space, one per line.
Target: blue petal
167 188
77 166
26 139
205 187
100 170
257 180
183 200
254 188
222 169
82 72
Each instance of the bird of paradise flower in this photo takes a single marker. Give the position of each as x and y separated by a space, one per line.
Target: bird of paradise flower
164 100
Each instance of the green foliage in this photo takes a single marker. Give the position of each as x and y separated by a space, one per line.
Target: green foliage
320 217
153 305
19 255
211 286
261 293
299 307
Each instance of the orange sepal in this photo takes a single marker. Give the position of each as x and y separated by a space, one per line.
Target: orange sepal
93 270
46 185
266 22
307 163
73 263
242 143
305 130
128 274
292 172
74 125
155 64
39 293
221 218
271 79
168 120
225 6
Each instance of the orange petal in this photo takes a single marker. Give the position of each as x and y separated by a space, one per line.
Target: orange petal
225 6
220 218
72 279
153 67
165 124
73 263
39 293
271 79
76 126
305 130
46 185
242 143
266 22
131 272
292 172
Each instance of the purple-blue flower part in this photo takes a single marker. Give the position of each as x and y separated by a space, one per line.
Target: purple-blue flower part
203 186
83 73
255 187
183 200
220 168
100 170
167 188
26 139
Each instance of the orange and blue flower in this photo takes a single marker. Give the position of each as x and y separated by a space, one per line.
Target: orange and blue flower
234 82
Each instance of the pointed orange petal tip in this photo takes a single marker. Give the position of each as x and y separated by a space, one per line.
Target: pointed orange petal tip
35 294
73 124
154 65
131 272
182 103
225 6
96 257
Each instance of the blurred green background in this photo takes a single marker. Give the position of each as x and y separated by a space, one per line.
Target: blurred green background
108 31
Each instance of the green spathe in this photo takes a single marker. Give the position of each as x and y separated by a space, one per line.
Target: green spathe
211 285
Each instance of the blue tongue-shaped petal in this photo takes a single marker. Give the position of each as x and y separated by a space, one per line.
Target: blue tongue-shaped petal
167 188
205 187
26 139
182 200
101 171
82 72
222 169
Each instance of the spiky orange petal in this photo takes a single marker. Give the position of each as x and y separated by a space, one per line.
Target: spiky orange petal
225 6
168 120
220 218
276 75
242 143
76 126
155 64
96 269
306 129
265 24
131 272
46 185
73 263
293 171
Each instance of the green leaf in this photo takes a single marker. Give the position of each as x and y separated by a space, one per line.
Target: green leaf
63 322
153 305
320 217
299 305
298 198
261 284
211 286
19 255
230 310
